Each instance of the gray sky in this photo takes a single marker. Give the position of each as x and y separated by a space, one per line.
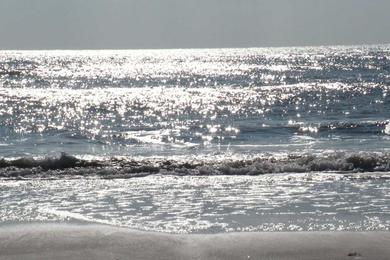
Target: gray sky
95 24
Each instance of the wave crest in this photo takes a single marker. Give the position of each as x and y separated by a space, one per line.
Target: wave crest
68 165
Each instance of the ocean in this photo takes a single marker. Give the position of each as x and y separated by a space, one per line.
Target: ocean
197 140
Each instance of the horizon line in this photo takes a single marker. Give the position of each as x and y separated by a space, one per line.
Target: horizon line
207 48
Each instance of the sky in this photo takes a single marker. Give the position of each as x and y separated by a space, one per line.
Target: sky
140 24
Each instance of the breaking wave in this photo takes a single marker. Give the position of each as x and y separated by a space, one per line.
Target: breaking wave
70 166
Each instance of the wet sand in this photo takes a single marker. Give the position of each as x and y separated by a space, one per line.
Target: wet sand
60 241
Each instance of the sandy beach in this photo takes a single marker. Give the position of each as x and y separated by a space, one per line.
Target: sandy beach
60 241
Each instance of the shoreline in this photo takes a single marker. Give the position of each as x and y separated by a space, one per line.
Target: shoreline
74 241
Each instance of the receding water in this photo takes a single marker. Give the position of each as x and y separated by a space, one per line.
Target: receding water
208 204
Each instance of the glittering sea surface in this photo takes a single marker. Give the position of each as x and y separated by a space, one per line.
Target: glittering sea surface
207 204
174 102
311 124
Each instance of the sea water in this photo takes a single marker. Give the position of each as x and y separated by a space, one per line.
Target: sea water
222 139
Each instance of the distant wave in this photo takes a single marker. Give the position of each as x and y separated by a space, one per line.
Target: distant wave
68 165
355 127
373 127
11 73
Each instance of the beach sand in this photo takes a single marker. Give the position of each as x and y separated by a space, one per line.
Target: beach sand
62 241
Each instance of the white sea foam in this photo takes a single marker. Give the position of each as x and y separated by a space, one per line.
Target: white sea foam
387 129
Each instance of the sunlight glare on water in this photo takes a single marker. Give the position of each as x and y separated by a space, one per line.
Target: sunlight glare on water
194 101
208 204
311 125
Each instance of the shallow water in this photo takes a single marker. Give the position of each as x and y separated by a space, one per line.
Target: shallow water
207 204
